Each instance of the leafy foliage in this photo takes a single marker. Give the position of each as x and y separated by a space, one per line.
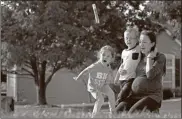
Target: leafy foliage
167 13
45 36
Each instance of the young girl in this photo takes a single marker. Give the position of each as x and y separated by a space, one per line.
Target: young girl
99 75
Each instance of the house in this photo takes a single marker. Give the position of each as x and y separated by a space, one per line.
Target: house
168 45
64 90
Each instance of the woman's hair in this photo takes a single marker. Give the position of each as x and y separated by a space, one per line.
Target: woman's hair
152 38
108 48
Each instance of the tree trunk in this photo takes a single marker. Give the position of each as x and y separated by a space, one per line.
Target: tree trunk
41 88
41 95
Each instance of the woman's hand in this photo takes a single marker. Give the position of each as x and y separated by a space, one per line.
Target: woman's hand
152 54
150 60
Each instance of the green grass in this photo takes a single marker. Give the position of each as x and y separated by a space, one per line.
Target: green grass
29 112
170 109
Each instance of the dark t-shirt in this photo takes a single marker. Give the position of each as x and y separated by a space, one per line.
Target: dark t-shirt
150 83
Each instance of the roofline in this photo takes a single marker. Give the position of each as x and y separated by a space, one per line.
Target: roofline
175 39
169 33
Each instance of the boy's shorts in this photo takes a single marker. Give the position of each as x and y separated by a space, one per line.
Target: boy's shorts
123 82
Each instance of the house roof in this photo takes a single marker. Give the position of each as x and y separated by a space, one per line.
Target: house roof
169 32
167 45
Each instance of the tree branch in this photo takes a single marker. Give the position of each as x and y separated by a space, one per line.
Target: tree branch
53 72
55 69
28 72
35 70
27 65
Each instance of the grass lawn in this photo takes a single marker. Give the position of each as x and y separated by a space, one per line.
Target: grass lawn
169 109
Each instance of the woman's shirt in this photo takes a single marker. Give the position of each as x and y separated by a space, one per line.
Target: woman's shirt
150 83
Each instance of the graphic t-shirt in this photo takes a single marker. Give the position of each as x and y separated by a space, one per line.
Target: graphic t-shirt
98 74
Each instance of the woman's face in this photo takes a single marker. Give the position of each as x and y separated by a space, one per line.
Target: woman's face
145 44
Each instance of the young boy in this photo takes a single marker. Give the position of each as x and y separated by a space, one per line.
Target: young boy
130 57
99 74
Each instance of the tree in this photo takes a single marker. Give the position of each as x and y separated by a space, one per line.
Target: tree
168 14
41 40
45 36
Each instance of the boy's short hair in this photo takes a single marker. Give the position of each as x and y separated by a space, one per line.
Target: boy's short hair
132 30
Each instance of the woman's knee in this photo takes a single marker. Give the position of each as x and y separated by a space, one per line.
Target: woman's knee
145 104
122 106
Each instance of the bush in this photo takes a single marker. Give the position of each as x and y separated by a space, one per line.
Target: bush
167 93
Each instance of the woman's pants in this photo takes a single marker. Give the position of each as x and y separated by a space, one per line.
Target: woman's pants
134 105
106 90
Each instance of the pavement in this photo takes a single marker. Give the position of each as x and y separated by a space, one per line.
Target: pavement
172 106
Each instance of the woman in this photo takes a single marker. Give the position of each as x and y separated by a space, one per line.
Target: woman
147 86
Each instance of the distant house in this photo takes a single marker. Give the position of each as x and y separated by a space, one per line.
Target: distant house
64 90
168 45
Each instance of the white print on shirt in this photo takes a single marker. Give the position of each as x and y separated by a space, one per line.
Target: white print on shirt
101 75
100 79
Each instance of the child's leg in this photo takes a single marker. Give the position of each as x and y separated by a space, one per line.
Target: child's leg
125 91
111 96
99 102
118 100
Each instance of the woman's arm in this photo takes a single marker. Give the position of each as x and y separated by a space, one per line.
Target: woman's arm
152 69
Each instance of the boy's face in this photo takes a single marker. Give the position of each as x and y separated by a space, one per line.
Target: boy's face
106 57
130 39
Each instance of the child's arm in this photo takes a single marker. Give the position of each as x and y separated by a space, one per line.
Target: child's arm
120 70
118 74
84 72
116 77
110 78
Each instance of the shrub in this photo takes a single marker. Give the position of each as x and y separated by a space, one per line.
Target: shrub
167 93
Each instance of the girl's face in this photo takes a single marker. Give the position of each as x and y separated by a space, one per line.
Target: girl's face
130 39
106 57
145 44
